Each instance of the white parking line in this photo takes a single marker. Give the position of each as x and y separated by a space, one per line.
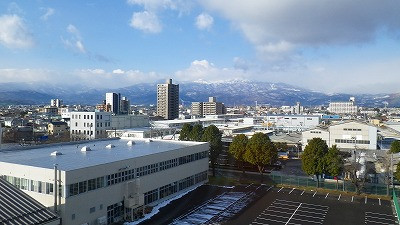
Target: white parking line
365 199
380 214
267 219
280 189
269 188
326 195
352 198
314 193
291 191
379 201
249 185
378 218
293 214
376 222
302 192
339 197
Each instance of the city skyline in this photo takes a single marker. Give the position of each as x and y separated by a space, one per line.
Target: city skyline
314 45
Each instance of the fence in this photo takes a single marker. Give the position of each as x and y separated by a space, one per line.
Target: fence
396 206
376 189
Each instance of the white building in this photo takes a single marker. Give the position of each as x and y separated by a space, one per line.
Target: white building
343 107
291 122
89 125
102 182
345 135
56 102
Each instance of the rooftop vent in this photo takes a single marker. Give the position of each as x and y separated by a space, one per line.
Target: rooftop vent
55 153
110 146
130 143
149 140
85 149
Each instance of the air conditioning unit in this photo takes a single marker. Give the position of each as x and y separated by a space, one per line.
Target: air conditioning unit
102 220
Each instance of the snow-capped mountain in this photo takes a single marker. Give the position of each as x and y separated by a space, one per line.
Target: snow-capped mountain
231 92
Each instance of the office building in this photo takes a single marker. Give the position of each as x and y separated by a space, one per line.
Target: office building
56 102
212 107
107 181
168 100
113 100
297 109
345 135
343 107
125 106
89 125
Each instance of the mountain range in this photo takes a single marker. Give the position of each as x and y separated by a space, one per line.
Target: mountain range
231 92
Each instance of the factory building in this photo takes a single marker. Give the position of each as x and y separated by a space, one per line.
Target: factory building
105 181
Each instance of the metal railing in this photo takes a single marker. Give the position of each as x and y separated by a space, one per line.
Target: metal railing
299 181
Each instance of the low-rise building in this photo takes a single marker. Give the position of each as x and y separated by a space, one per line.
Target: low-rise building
343 107
345 135
291 122
89 125
57 128
107 181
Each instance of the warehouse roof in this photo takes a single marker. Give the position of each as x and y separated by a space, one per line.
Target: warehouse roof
16 207
72 157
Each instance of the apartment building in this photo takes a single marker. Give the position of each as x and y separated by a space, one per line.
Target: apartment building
212 107
89 125
168 100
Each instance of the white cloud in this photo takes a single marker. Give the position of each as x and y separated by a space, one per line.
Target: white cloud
275 27
75 41
118 71
146 21
14 33
204 21
13 8
48 12
204 70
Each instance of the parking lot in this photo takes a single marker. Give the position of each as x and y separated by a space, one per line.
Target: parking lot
299 206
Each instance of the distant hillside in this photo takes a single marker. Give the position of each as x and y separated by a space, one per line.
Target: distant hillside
232 92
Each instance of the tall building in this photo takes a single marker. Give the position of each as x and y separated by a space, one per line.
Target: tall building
168 100
113 99
343 107
125 106
56 102
297 109
212 107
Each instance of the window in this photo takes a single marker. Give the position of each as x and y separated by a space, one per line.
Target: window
92 210
91 117
73 216
101 207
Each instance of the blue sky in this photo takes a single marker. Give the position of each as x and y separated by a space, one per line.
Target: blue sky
339 46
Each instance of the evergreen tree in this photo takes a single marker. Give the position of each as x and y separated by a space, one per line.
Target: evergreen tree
334 163
213 136
260 151
185 132
238 148
313 158
395 147
196 133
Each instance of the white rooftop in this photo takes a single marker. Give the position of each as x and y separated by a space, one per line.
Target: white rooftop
73 158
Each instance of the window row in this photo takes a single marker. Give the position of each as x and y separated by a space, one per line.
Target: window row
84 186
193 157
351 129
168 164
31 185
145 170
120 177
172 188
352 141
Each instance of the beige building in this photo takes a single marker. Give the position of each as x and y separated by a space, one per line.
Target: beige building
168 100
345 135
103 182
212 107
343 107
57 128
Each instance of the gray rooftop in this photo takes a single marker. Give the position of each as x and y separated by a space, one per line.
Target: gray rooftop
73 158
